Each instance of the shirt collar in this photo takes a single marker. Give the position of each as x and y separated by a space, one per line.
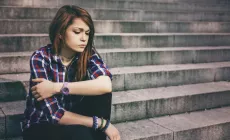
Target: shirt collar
57 59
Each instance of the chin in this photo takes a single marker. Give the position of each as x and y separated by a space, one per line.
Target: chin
79 50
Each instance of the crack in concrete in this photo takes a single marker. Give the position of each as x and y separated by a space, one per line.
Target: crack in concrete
163 127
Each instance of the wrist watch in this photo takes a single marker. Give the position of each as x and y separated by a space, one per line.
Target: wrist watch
65 89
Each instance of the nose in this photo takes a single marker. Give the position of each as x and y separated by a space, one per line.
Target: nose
83 37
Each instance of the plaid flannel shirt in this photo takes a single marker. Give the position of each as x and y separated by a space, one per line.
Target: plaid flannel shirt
45 65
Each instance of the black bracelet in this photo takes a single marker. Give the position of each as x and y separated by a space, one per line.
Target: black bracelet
106 126
95 122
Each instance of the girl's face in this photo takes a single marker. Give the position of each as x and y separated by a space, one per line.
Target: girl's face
77 35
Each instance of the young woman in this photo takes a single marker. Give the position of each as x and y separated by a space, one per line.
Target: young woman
70 85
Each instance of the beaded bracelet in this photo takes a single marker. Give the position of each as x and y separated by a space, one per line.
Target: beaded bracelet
102 121
95 122
106 126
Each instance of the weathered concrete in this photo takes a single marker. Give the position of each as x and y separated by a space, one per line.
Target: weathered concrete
154 102
117 14
205 125
7 93
13 112
125 78
143 129
157 5
12 62
16 26
186 1
31 42
171 75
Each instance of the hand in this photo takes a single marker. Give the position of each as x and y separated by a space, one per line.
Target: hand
112 133
43 90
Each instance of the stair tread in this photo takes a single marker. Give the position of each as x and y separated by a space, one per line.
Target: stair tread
169 92
171 67
119 34
174 123
137 69
17 107
29 53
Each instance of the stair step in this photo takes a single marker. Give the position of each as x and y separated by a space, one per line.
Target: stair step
149 5
12 62
203 125
181 1
117 14
188 129
31 42
125 78
153 102
38 26
141 104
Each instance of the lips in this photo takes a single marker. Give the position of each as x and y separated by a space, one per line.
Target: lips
82 45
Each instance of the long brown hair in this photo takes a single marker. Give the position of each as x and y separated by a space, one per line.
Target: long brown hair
62 20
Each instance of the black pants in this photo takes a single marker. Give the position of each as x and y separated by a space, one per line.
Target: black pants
90 106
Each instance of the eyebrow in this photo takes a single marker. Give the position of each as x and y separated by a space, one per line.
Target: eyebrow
81 29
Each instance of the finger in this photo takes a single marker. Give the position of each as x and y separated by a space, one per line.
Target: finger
119 137
37 96
34 92
34 88
38 80
39 99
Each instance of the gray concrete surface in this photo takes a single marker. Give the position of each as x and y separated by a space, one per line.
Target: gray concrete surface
22 26
144 103
117 14
12 62
31 42
125 78
205 125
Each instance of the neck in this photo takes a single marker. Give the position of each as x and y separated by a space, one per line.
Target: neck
67 53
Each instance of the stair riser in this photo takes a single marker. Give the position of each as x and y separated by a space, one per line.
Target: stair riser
186 1
214 132
31 43
42 26
169 78
122 82
168 106
7 93
145 109
118 4
100 14
123 59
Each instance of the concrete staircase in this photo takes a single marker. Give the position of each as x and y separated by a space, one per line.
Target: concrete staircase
170 61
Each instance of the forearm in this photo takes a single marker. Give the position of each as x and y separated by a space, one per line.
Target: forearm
98 86
70 118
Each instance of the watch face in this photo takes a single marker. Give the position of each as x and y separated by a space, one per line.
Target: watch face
65 90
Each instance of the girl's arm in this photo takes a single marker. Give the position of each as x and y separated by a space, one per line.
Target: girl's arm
98 86
46 88
100 83
70 118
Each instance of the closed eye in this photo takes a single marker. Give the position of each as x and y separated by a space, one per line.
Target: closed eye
76 32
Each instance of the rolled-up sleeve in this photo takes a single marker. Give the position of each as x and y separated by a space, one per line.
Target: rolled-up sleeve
50 106
97 67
